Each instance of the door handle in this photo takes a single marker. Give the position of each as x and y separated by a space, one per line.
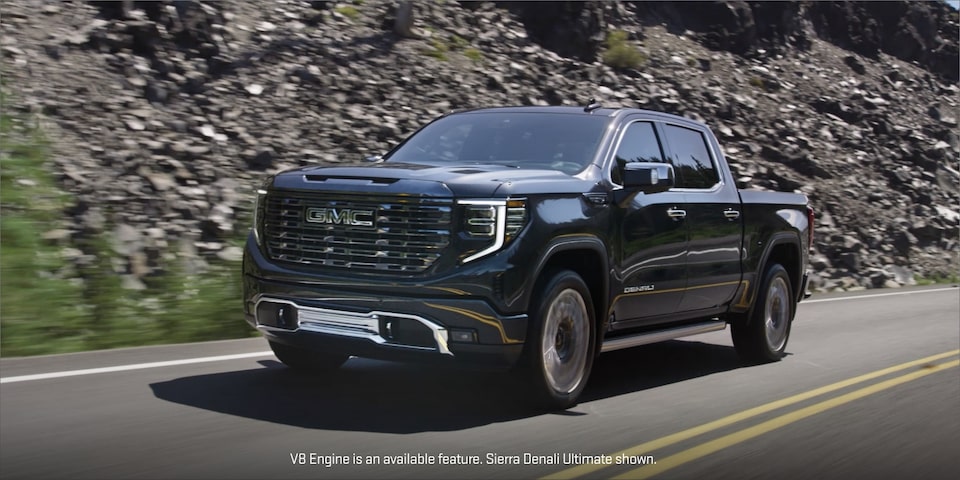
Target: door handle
676 213
731 214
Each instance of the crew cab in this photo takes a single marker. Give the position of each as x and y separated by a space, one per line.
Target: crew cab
525 238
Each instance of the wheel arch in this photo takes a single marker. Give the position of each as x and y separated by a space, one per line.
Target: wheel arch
783 248
587 256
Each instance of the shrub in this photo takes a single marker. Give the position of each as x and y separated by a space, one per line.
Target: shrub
620 53
473 54
438 49
459 43
348 11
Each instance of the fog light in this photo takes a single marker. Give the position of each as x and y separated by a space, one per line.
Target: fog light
277 315
406 331
463 336
287 317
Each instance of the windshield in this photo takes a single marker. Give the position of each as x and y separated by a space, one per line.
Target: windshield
528 140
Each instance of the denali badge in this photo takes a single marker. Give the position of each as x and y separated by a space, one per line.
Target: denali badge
345 216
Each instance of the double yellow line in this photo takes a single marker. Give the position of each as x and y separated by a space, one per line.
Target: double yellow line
925 367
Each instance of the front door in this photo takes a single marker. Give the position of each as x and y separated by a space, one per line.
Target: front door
652 250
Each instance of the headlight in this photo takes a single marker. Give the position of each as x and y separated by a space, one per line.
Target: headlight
258 207
481 220
496 220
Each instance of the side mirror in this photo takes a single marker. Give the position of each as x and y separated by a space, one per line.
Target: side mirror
373 159
648 177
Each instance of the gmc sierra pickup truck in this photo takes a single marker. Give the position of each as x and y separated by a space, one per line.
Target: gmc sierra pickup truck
528 238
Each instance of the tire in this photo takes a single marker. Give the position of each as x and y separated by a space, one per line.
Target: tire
560 343
306 361
763 337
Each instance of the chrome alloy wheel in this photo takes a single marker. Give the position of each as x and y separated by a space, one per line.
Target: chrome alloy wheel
564 345
776 313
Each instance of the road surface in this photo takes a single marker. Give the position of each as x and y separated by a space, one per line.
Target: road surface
871 388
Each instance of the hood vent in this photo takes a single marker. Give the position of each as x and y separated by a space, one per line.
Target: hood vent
352 180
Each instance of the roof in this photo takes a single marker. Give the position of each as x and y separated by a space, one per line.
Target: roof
575 110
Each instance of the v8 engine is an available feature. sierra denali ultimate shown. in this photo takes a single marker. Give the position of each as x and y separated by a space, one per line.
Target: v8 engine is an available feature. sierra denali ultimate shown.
530 238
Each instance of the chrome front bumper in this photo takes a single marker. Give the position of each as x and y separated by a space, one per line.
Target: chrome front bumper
278 315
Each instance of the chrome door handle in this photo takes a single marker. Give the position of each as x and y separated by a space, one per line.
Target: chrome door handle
731 214
676 213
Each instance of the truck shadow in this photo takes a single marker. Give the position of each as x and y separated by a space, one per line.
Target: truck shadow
373 396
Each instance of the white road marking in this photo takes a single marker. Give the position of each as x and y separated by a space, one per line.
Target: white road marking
136 366
875 295
239 356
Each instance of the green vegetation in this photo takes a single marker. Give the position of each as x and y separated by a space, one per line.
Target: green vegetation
348 11
620 53
49 304
440 48
757 82
473 54
953 278
458 43
31 287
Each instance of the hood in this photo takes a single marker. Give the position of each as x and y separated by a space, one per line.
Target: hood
480 181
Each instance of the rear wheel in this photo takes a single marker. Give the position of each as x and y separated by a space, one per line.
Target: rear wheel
560 344
763 338
304 360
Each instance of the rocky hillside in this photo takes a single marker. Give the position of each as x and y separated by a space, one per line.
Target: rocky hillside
165 115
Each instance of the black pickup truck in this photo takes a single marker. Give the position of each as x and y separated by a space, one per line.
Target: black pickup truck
528 238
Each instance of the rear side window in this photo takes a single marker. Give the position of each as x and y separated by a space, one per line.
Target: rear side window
691 158
639 144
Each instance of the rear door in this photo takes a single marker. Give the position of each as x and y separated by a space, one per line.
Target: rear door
714 220
652 237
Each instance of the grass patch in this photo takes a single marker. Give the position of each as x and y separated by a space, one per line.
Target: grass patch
39 303
458 43
938 279
50 304
348 11
438 49
473 54
620 53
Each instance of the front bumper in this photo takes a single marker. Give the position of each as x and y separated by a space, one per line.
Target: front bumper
325 330
464 330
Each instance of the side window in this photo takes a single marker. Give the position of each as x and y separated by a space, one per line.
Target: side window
639 144
691 158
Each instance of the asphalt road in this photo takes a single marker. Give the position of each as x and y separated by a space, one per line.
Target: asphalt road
871 388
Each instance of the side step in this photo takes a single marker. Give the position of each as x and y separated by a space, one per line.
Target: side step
661 335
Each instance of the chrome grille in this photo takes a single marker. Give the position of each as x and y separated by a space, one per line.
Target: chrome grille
408 233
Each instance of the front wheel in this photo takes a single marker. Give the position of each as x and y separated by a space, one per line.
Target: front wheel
763 338
560 344
309 361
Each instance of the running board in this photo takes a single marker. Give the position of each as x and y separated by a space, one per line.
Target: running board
661 335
